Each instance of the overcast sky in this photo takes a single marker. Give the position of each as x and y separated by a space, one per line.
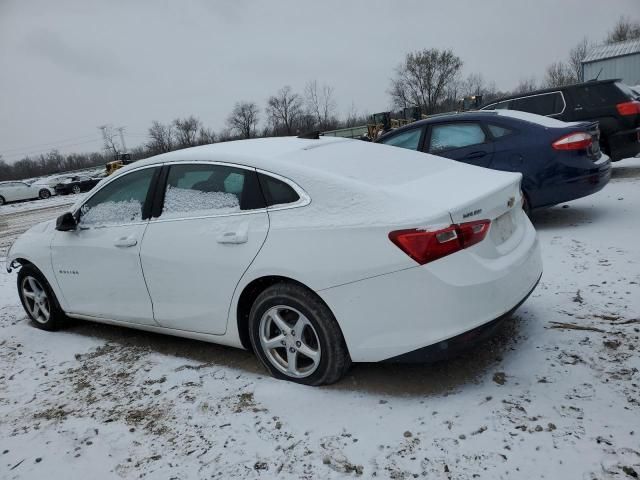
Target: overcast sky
68 66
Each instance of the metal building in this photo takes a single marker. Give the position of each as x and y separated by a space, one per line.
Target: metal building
616 60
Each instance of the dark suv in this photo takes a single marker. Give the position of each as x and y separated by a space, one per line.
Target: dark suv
610 102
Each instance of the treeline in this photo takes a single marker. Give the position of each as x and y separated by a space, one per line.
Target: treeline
430 79
49 163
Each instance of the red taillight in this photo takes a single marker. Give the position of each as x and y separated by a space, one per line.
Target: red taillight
426 246
629 108
573 141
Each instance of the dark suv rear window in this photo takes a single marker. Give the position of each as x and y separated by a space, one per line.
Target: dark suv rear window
542 104
597 96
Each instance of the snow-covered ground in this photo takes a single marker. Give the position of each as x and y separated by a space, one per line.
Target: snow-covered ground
555 395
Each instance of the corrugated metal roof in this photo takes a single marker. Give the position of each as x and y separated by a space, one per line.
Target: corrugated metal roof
612 50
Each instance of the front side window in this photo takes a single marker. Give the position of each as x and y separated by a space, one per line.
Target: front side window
119 202
202 189
409 140
455 135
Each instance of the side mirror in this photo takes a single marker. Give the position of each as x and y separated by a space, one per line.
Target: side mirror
66 222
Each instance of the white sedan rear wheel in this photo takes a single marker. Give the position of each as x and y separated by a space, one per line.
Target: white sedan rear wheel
296 337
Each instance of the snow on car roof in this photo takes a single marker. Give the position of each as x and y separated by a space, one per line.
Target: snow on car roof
350 180
341 159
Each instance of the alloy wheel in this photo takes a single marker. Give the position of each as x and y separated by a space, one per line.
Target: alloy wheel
36 300
75 189
289 341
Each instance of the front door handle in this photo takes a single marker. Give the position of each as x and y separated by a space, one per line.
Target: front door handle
125 242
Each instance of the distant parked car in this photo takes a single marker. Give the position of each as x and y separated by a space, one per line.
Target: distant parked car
311 252
611 103
559 161
76 185
15 191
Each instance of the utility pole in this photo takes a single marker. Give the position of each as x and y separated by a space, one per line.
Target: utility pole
105 137
124 146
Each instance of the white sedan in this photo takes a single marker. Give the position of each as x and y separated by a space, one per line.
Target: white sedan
314 253
15 191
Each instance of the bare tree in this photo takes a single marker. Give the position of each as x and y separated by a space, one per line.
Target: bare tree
473 85
576 55
526 85
186 131
284 110
162 138
244 119
558 75
624 29
422 80
320 104
206 136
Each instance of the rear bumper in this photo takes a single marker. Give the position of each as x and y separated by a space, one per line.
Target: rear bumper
581 184
449 348
391 315
624 144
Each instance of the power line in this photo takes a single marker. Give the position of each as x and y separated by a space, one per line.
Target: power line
34 152
55 142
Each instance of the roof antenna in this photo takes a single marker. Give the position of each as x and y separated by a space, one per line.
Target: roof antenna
598 76
315 135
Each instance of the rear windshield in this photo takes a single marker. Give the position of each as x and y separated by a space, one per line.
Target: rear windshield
598 95
627 90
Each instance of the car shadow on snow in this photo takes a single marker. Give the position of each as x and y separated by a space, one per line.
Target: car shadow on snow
190 350
562 216
625 171
378 378
442 377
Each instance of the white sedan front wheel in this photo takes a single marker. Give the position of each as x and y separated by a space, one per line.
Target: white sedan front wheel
38 299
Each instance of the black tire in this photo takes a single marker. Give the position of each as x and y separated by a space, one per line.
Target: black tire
76 189
334 357
44 194
56 315
2 200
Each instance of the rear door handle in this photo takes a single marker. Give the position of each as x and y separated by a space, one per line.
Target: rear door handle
233 237
476 155
125 242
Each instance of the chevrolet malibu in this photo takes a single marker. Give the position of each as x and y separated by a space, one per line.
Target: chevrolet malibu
312 252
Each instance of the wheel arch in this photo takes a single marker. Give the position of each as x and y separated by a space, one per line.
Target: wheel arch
250 292
19 262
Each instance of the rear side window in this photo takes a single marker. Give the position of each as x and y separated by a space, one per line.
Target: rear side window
497 131
277 192
597 96
455 135
202 189
409 140
543 104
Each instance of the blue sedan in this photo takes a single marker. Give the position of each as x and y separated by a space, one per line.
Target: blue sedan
559 161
